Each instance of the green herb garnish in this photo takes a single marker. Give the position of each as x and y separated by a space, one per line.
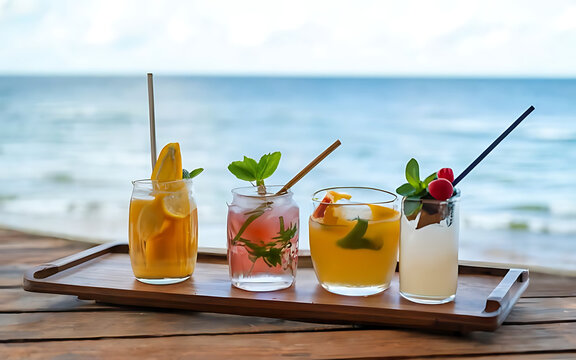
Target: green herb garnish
191 174
270 253
414 191
355 238
250 170
415 188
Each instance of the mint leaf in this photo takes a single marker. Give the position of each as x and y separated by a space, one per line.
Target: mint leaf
271 252
244 170
250 170
355 238
406 189
196 172
429 179
413 173
412 207
268 164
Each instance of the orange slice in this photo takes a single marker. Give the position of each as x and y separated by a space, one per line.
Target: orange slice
169 164
177 204
326 209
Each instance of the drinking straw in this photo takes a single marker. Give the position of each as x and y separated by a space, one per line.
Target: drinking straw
493 145
152 120
309 167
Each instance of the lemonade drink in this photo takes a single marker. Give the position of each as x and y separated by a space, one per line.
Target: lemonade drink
163 231
429 252
262 239
354 236
163 222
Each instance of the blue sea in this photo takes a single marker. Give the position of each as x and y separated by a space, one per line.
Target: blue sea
70 147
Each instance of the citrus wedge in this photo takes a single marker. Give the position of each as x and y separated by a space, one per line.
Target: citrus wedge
325 211
177 204
169 164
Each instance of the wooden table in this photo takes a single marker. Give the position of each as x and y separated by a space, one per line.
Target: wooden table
44 326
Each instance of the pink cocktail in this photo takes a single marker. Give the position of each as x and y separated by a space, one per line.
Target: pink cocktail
262 239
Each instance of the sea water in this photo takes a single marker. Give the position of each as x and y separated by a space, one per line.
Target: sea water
69 147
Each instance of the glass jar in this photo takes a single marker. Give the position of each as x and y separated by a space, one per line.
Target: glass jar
163 231
262 239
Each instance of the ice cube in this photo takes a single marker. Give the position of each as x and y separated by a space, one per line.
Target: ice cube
353 212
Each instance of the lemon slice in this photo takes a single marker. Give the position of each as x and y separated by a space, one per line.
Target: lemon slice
177 204
169 164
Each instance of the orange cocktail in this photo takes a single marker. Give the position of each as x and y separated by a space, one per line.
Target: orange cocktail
163 223
354 235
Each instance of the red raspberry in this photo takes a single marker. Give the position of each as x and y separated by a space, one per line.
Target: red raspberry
446 173
441 189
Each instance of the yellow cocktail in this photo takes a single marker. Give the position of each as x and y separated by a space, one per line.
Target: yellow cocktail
354 236
163 223
163 230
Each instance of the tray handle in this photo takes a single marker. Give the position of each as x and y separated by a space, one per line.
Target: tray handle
501 294
45 270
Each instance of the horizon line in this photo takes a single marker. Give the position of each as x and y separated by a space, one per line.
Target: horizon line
293 75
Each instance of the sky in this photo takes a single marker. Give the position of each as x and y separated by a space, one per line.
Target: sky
294 37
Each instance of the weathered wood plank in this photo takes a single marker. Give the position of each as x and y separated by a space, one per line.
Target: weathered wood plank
357 344
537 310
546 285
33 257
90 325
18 300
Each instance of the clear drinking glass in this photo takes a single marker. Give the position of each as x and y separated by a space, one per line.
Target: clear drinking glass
354 243
262 239
429 250
163 231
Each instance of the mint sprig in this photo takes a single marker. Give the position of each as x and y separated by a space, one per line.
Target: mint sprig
250 170
191 174
355 238
270 253
415 188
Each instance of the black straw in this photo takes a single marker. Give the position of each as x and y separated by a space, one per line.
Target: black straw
493 145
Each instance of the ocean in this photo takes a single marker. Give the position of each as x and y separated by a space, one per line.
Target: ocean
70 147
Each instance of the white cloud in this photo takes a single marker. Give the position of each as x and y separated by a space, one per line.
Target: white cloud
314 36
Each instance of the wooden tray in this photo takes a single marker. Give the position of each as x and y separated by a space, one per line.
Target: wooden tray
484 298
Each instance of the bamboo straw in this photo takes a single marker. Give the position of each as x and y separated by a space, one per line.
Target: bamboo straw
309 167
152 120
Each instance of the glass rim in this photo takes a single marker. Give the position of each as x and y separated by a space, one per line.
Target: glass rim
150 181
237 191
454 198
317 201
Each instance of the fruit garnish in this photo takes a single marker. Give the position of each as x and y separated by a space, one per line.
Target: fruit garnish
176 204
331 197
355 238
418 189
169 164
437 186
441 189
446 173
